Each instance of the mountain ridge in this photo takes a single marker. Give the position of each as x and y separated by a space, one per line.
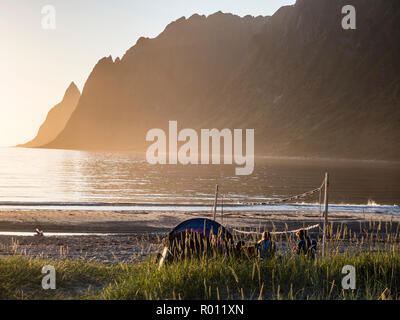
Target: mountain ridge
56 118
307 87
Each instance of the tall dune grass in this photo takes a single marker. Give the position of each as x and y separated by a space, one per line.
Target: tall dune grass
374 252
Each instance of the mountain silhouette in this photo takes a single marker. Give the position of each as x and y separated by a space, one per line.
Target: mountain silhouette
56 118
307 86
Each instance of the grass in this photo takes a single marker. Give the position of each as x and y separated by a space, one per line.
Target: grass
217 277
375 257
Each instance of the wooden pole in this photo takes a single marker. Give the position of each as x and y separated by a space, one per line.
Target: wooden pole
326 223
222 210
215 201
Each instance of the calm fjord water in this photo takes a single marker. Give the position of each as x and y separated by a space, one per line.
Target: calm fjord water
41 175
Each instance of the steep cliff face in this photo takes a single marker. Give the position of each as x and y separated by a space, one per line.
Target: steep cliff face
56 119
172 77
323 91
307 87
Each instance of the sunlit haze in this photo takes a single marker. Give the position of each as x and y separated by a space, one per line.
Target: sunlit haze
37 65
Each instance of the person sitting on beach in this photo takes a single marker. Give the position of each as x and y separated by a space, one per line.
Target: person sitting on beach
266 247
39 233
239 246
306 245
238 249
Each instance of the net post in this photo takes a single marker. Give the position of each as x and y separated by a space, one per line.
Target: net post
215 201
326 223
222 209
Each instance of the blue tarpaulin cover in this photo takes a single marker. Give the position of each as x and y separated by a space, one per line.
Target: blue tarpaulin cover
202 226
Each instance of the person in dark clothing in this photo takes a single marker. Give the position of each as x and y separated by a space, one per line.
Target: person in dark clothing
266 246
306 245
239 245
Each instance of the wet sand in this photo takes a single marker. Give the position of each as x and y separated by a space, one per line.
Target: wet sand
135 235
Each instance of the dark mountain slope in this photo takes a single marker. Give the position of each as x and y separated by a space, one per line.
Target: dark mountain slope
308 87
171 77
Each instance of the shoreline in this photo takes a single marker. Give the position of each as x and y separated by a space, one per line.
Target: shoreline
134 236
141 222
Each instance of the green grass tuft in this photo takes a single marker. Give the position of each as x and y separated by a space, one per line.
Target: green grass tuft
216 277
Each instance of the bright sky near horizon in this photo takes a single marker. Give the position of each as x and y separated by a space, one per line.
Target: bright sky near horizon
37 65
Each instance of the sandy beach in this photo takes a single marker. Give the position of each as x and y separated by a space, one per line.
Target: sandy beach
144 222
131 236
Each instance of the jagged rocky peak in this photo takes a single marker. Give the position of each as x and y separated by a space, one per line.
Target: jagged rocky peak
289 76
56 118
72 89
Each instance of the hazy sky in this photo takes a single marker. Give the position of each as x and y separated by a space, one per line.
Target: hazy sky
37 65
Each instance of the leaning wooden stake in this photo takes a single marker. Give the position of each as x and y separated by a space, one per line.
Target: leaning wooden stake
326 223
222 210
215 201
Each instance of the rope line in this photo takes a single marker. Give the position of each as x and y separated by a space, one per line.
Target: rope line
278 232
296 197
